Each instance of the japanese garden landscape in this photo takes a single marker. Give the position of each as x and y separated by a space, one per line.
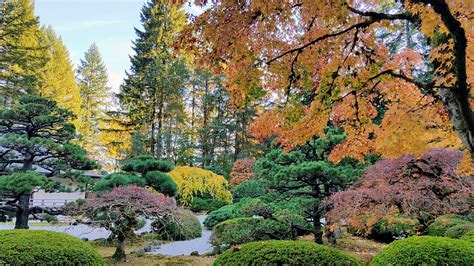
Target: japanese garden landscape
332 132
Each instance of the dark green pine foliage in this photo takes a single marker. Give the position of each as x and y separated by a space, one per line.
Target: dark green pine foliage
306 172
143 170
35 134
153 90
22 56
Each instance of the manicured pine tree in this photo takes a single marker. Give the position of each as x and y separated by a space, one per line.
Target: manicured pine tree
36 134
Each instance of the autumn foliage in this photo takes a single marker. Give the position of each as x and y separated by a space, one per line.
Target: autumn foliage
241 171
393 74
422 188
195 181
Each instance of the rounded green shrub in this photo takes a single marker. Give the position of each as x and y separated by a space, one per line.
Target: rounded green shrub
244 230
441 225
206 204
285 252
182 225
469 236
253 188
426 250
38 247
459 231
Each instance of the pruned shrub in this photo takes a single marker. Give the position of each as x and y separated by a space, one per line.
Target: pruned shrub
206 204
443 224
225 213
244 230
426 250
469 236
253 188
180 225
38 247
285 252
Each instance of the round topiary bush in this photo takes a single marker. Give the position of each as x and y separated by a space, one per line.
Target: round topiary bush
469 236
182 225
426 250
285 252
442 224
38 247
459 231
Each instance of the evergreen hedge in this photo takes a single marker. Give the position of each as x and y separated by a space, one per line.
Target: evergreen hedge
426 250
38 247
285 252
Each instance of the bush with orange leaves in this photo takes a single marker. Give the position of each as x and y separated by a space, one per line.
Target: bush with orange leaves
241 171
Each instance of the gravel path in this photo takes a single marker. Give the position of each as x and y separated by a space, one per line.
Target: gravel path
176 248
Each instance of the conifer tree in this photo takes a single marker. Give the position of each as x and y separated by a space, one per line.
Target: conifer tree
58 81
22 56
36 134
153 89
92 79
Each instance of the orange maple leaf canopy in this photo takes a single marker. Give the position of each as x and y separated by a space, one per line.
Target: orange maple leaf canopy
392 74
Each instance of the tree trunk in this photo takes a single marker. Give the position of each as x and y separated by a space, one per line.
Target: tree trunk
120 251
317 228
23 211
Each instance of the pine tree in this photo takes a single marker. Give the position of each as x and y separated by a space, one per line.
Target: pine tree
153 90
58 81
36 133
22 56
92 79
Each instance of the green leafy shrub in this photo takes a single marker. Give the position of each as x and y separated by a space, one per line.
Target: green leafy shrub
182 225
253 188
230 212
442 224
459 230
244 230
426 250
162 183
37 247
49 218
285 252
206 204
469 236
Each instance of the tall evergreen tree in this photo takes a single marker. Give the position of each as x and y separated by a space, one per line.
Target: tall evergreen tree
58 81
92 79
22 56
153 90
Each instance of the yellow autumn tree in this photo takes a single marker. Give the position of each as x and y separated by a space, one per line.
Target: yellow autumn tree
58 80
193 181
115 136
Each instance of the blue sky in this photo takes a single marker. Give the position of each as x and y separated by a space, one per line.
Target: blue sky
108 23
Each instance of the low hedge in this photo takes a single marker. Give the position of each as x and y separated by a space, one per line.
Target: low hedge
244 230
453 226
285 252
38 247
426 250
182 225
439 226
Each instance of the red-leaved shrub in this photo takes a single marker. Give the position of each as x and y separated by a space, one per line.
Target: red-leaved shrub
421 188
241 171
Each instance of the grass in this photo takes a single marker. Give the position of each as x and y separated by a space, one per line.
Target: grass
362 248
148 259
40 224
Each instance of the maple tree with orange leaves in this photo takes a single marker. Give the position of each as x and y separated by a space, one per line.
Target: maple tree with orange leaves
393 74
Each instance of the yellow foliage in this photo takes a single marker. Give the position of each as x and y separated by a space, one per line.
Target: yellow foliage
193 181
